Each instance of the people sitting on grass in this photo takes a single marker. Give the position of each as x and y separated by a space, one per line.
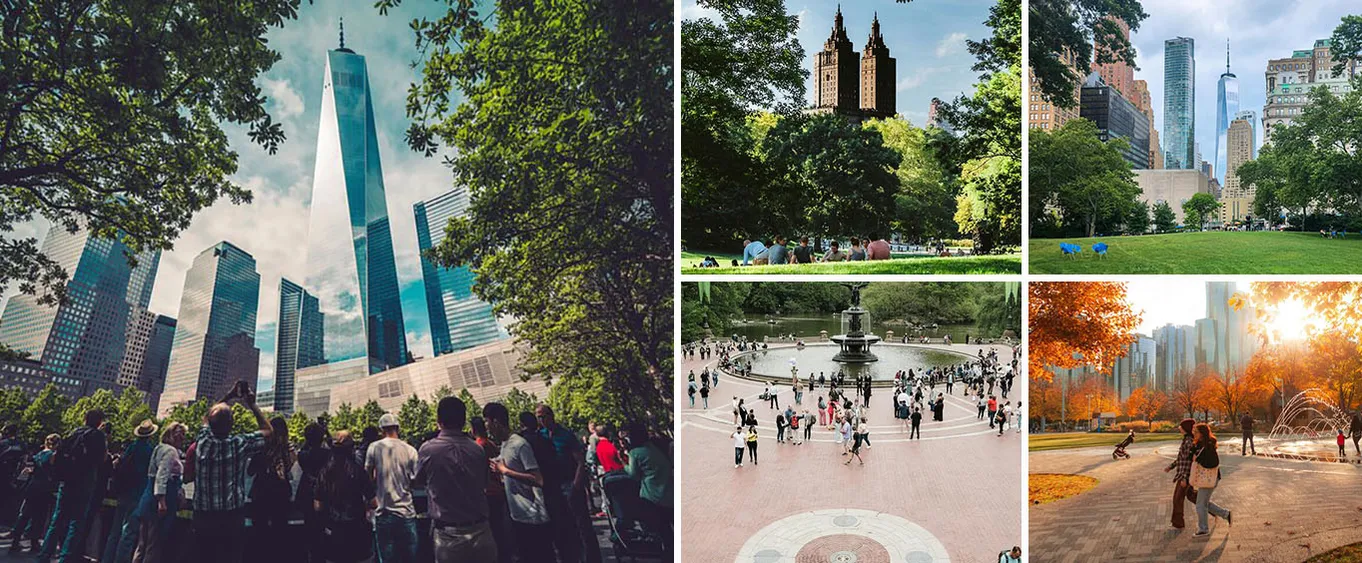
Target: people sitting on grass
857 252
878 249
834 253
803 254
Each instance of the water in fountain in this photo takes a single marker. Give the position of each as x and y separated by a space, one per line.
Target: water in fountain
1309 414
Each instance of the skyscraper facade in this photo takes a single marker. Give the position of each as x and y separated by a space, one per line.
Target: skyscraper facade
350 264
1236 204
458 319
1116 118
1044 114
214 344
1179 103
855 87
298 340
1290 80
1119 74
1252 118
81 343
1226 106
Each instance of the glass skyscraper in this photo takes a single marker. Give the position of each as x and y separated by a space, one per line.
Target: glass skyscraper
1226 107
299 343
350 266
214 344
458 319
1179 104
82 342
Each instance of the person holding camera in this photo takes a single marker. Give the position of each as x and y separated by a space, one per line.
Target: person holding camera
220 485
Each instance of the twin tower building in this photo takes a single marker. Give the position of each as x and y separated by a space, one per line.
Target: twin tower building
856 86
344 321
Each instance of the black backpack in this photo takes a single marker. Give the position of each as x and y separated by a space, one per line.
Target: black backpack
74 450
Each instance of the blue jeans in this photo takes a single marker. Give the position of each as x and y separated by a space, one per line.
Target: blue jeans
395 538
123 532
69 523
1204 505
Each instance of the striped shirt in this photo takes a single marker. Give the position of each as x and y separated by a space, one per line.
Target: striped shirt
220 469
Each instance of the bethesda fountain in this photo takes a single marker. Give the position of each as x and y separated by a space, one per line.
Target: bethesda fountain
855 344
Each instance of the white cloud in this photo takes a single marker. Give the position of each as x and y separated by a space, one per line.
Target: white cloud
951 44
918 78
284 102
418 343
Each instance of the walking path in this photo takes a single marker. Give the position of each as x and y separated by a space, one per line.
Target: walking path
1284 511
951 496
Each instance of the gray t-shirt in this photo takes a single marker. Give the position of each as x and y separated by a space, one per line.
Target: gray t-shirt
526 501
393 462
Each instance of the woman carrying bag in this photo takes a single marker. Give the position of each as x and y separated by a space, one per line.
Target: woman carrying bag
1205 477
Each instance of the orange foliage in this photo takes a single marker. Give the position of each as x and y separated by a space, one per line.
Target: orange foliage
1077 323
1145 403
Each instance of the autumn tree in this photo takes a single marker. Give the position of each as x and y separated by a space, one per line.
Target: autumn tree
1045 395
1232 392
1145 403
1335 360
1186 394
1078 323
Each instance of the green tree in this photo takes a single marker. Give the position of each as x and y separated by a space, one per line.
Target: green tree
1000 310
924 203
346 418
417 419
102 399
1085 179
516 402
710 311
923 302
563 136
840 174
297 423
1164 218
470 403
1346 43
1137 222
1062 38
749 57
190 415
368 415
130 410
1198 209
13 402
113 114
44 415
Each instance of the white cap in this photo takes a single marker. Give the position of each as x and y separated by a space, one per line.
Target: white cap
388 420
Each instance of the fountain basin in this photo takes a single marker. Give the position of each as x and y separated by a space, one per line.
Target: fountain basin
815 358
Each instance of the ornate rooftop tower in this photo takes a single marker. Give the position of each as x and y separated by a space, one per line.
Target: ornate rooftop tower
877 75
835 71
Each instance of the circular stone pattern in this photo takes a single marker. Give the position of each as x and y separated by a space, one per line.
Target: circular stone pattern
843 549
842 536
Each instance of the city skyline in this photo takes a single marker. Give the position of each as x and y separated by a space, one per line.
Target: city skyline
1258 30
927 40
282 183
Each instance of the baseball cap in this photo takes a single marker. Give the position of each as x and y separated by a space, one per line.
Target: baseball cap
388 420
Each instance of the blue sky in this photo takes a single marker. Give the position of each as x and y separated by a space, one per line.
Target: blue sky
274 227
927 37
1258 30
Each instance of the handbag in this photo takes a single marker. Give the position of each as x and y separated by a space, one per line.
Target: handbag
1204 477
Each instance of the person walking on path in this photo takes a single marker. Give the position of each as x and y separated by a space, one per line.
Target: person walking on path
739 444
752 443
916 431
391 466
1356 428
704 395
992 410
780 428
1342 448
690 393
1246 428
808 425
856 446
76 465
1182 488
1207 457
983 404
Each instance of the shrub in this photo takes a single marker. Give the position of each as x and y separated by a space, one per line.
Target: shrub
1163 426
1139 426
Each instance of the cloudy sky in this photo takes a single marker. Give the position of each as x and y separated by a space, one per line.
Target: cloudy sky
274 227
927 37
1258 30
1179 302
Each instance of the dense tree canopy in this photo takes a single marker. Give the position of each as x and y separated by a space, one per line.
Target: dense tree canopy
1079 184
1199 210
1075 324
564 139
1065 31
113 114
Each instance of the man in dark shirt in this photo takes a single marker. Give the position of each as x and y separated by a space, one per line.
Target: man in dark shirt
453 469
1246 426
777 253
570 455
12 456
802 253
87 447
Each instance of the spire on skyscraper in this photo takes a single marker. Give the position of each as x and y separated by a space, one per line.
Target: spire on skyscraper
342 32
1227 55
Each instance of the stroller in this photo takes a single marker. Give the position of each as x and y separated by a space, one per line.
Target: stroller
1120 451
626 533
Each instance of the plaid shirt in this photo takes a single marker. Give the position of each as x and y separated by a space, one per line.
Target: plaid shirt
220 469
1184 461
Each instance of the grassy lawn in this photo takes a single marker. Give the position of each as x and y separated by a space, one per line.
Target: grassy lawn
1350 553
1063 440
1204 253
1050 487
1007 264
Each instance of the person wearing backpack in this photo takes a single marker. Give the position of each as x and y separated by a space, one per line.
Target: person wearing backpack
13 456
129 483
37 505
76 466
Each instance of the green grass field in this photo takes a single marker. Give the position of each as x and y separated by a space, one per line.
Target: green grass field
1065 440
1211 252
1007 264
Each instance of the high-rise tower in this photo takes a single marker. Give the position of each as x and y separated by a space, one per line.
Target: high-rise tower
877 76
350 264
82 342
835 71
299 343
214 345
1179 104
458 319
1226 106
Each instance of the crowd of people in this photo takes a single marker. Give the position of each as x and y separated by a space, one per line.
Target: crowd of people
517 487
758 253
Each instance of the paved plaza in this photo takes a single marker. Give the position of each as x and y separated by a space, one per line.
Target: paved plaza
1284 510
954 495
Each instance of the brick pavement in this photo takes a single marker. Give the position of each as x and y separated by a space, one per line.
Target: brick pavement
961 483
1284 511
